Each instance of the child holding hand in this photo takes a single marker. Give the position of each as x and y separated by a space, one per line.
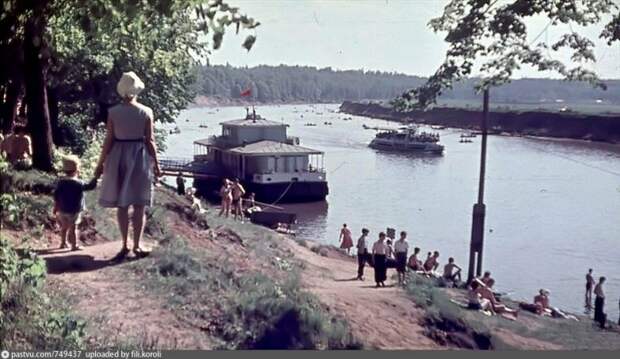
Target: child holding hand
69 201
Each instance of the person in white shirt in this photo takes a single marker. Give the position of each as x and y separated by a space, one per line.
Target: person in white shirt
599 303
379 252
362 254
401 247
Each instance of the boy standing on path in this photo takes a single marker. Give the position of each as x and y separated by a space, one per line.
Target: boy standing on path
362 254
401 247
69 201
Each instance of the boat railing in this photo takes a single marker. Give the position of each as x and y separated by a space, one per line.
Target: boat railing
305 170
174 164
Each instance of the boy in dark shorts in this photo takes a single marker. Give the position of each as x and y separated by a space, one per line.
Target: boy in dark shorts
69 201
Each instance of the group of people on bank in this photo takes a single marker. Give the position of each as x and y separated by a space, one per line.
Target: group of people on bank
386 253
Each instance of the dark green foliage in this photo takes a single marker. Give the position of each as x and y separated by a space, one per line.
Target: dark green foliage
29 319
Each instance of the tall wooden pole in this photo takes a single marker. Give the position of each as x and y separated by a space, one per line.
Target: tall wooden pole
477 229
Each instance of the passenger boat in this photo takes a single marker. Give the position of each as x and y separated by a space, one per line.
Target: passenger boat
405 139
266 160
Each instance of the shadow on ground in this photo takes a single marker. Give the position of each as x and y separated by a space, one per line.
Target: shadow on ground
73 262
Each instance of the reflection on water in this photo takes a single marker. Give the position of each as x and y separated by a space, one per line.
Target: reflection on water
553 206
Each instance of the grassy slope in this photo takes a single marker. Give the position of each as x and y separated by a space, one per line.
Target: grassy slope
529 331
238 284
235 283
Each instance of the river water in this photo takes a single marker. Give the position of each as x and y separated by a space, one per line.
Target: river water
553 206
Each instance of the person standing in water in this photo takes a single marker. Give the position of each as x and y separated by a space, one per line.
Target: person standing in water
346 241
401 247
589 286
362 254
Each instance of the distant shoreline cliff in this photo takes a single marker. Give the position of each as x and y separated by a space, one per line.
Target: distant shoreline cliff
604 128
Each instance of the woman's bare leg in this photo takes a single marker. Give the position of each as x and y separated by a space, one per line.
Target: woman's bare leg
137 220
122 214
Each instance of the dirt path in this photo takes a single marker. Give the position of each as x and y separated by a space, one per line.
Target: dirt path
382 318
114 306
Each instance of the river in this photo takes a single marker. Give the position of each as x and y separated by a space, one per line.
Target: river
553 206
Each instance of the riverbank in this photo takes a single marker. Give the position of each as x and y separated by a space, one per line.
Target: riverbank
604 128
215 283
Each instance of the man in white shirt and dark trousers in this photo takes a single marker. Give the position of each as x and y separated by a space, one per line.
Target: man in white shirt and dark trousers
401 247
362 254
599 303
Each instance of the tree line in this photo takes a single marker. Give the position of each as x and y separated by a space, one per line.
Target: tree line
285 83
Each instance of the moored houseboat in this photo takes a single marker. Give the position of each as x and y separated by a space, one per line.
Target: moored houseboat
265 159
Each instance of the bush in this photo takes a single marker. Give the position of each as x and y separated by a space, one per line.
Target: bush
28 318
283 317
20 211
247 311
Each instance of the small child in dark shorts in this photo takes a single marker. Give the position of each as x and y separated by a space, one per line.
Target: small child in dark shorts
69 201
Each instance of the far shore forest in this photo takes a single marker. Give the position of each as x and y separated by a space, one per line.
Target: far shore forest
285 84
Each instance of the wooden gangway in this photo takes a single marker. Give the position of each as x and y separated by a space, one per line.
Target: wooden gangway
188 167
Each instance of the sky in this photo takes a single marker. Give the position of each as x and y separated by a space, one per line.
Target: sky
385 35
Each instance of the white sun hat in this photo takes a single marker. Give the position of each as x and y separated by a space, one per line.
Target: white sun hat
129 85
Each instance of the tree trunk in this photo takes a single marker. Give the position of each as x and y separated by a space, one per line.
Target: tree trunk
36 94
9 108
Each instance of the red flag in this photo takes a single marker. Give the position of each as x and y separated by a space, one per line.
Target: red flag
247 92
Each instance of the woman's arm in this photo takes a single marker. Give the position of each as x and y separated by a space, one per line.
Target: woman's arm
151 147
105 149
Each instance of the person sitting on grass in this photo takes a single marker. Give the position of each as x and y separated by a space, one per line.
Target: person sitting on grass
541 306
431 263
487 280
452 272
475 300
414 263
18 148
487 293
69 201
251 204
196 204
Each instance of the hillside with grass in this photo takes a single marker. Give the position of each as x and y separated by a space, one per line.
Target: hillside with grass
214 283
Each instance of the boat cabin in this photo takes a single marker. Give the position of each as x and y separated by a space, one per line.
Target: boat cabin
258 150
